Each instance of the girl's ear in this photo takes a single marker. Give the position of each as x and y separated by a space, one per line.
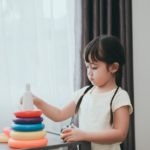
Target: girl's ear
113 68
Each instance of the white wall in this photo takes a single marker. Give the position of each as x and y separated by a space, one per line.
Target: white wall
141 51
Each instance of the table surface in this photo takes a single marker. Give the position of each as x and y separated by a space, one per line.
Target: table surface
54 141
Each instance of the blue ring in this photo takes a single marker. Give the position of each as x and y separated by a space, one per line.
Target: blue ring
27 127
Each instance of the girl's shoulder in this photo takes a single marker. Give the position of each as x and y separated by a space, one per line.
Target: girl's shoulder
121 99
78 93
123 93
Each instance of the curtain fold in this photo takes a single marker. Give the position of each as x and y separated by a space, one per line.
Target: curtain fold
113 17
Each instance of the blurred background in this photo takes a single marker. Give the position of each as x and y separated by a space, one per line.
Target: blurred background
41 43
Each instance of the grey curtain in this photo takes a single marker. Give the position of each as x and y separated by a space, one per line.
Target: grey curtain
112 17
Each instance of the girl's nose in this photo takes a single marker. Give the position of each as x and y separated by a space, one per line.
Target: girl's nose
90 73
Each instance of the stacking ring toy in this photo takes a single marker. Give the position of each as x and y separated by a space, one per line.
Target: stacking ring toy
27 127
27 144
28 114
28 120
27 135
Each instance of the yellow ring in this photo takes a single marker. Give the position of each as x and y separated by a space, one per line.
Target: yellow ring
34 135
3 138
27 144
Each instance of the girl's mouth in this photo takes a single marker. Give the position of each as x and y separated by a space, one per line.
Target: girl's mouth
91 79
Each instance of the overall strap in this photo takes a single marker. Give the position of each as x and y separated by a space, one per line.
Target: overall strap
111 113
80 99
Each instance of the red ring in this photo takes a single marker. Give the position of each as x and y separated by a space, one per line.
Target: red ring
28 113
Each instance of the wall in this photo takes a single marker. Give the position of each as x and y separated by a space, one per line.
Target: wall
141 51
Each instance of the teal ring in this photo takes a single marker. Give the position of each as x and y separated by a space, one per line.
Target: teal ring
27 127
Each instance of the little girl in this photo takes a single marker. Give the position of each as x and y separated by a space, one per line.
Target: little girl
104 108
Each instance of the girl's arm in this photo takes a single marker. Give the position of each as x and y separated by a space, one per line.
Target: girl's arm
117 134
55 113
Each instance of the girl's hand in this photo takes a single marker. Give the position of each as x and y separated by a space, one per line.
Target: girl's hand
72 134
36 100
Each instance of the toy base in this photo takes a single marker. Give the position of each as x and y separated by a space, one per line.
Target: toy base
27 144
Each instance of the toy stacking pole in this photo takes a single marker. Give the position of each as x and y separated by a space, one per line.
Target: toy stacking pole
27 103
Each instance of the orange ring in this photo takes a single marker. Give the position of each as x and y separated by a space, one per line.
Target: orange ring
28 113
27 144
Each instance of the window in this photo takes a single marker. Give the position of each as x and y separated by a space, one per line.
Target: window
36 47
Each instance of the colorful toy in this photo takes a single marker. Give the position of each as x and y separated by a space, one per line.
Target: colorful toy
27 128
27 132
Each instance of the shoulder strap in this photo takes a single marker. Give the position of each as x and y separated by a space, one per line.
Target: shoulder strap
80 99
111 113
87 89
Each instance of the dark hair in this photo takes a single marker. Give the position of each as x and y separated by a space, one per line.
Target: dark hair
81 97
107 49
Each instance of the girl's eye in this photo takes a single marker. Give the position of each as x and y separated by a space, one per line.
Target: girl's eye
94 68
87 67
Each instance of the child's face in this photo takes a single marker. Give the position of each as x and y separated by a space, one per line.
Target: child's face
99 73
